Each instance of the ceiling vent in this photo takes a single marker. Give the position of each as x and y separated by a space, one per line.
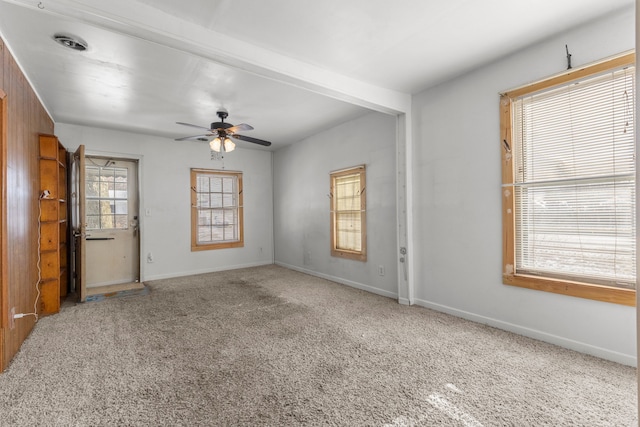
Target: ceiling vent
71 42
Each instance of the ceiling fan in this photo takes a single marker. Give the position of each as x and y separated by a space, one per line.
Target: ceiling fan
222 133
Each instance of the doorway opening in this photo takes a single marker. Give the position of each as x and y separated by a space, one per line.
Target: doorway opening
108 237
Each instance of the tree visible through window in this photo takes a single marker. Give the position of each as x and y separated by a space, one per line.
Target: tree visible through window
348 214
106 194
568 151
217 212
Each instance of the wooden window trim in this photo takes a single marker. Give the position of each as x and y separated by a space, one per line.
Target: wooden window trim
194 212
4 281
342 253
565 287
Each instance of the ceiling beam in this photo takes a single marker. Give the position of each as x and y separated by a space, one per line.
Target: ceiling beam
155 26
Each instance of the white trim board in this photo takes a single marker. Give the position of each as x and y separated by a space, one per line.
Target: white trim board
625 359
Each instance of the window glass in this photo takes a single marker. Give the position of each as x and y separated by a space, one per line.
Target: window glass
217 205
106 198
568 154
348 213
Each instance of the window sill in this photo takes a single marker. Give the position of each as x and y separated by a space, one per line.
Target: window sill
358 256
226 245
582 290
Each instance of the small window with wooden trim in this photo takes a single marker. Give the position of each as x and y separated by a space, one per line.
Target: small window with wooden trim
568 183
348 214
216 209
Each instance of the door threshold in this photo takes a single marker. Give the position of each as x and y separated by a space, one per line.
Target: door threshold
124 289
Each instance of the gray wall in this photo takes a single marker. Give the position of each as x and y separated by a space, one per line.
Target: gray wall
301 202
164 185
457 193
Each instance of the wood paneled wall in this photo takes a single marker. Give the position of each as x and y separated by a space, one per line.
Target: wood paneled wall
26 118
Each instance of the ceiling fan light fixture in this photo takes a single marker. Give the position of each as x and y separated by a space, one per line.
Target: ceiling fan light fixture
222 131
229 145
215 144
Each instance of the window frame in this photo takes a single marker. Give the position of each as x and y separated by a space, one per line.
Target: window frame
195 246
344 253
624 296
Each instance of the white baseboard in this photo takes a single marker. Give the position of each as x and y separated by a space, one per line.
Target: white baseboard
603 353
204 271
342 281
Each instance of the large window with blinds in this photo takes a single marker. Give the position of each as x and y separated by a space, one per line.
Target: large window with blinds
216 209
348 214
568 158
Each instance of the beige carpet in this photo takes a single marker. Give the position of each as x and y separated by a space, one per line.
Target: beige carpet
270 346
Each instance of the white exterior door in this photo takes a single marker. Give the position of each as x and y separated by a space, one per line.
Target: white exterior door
112 242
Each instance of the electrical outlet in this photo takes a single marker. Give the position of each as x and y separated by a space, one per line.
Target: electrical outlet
12 320
381 270
149 257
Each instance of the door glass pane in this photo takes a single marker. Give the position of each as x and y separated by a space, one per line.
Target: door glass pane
106 222
93 207
121 190
93 222
121 207
121 221
106 194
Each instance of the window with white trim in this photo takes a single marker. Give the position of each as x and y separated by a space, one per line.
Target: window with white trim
568 158
216 209
348 214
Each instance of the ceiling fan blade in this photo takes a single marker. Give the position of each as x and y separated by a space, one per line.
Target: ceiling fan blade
241 126
196 137
250 139
193 126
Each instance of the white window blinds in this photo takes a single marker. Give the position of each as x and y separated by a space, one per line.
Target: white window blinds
348 213
574 180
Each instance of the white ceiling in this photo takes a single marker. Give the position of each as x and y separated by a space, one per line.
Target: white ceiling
290 68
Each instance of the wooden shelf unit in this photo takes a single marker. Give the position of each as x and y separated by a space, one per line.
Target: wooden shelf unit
54 246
